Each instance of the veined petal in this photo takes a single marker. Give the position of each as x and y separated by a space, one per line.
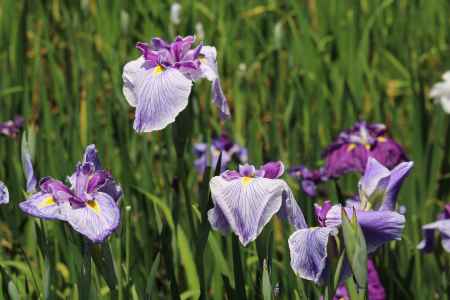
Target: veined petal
97 220
398 174
247 203
4 194
443 226
42 205
379 227
130 78
161 96
308 250
290 210
218 220
60 192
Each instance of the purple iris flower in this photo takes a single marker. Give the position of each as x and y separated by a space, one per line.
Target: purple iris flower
246 200
159 82
12 127
350 151
442 225
375 289
89 205
222 144
309 179
4 194
375 212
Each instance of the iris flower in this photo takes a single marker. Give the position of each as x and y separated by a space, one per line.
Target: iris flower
4 194
246 200
309 179
89 205
442 225
12 127
208 156
441 92
159 82
350 151
375 212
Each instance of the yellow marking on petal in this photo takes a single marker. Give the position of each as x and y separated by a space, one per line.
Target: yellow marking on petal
158 69
92 204
381 139
367 146
246 180
351 147
48 201
202 59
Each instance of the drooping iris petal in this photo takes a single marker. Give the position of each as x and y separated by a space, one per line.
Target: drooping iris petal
4 194
208 68
398 174
42 205
161 96
247 203
443 227
97 220
130 79
218 220
273 169
379 227
290 210
308 250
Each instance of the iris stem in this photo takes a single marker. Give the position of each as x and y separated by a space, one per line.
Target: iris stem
239 281
84 281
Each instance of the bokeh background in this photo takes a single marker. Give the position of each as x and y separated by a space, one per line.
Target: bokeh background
295 73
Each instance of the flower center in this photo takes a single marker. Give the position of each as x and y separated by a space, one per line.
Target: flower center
246 180
158 69
48 201
92 204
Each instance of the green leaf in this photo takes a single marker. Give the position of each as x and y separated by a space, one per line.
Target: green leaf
187 261
12 291
152 276
266 285
355 249
161 205
104 262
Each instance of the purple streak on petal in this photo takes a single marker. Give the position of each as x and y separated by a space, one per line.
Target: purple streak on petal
398 174
38 205
4 194
247 205
229 175
60 192
151 57
82 176
290 210
379 227
98 180
321 212
308 250
247 170
159 43
273 169
95 224
160 98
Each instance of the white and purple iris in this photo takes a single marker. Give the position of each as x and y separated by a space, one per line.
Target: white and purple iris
159 82
352 148
12 127
4 194
89 205
442 225
375 212
223 145
246 200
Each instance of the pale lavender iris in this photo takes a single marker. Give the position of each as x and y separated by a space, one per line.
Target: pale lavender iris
209 155
246 200
12 127
308 179
159 82
27 165
375 212
350 151
4 194
89 205
442 225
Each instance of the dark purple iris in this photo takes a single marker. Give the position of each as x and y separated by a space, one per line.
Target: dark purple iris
12 127
350 151
309 179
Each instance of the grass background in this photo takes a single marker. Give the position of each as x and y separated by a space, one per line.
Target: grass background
295 74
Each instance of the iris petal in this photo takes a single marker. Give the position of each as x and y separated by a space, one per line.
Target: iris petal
247 204
160 96
398 174
308 250
4 194
97 220
129 77
443 226
42 205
